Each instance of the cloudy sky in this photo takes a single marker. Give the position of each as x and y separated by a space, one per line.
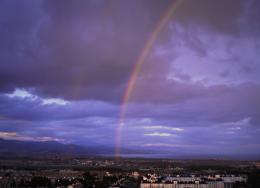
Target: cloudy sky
65 65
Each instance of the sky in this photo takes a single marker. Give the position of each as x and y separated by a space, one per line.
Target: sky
65 67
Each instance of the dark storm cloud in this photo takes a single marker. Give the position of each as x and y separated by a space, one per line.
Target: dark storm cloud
74 49
230 105
86 49
163 90
220 16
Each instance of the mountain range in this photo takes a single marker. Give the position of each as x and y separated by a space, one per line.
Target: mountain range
50 147
17 147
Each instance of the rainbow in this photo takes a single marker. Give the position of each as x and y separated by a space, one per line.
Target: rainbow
140 61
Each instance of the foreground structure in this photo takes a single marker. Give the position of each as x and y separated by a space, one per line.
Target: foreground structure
217 181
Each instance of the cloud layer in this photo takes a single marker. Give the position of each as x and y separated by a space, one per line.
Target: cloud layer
65 66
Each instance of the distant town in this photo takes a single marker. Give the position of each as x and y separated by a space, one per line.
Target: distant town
58 171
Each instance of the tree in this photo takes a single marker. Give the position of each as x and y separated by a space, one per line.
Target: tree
88 180
39 181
